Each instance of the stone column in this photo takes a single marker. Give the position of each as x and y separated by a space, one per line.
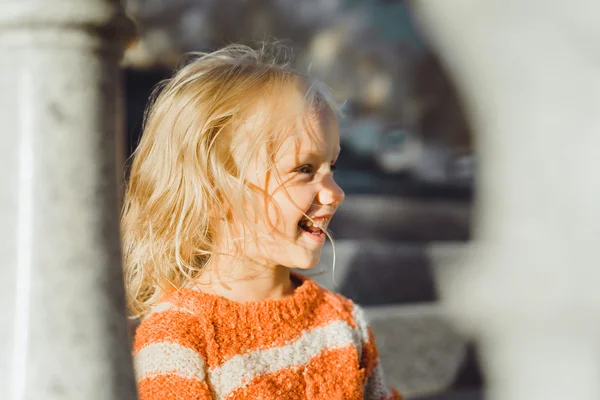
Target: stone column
529 73
63 333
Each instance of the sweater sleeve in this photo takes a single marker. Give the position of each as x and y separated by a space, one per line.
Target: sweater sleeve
168 357
375 386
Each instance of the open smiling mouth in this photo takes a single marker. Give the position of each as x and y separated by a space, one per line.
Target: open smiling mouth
315 228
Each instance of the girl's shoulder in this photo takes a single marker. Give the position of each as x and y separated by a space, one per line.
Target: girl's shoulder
176 320
169 318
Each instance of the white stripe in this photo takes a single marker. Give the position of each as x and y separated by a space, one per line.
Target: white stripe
242 369
168 306
376 388
361 322
362 329
169 358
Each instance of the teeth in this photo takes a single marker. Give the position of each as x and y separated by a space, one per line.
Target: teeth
320 223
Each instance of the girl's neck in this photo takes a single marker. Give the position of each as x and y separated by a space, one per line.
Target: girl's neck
243 282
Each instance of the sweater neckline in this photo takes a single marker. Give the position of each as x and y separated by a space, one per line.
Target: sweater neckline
303 300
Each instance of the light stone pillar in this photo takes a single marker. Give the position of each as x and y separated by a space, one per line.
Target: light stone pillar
62 325
529 73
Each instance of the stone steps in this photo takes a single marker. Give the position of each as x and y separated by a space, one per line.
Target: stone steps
382 272
401 219
421 352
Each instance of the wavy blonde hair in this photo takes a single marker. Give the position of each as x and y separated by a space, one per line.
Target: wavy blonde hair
183 179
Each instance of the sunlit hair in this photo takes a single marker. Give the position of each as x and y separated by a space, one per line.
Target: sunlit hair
183 179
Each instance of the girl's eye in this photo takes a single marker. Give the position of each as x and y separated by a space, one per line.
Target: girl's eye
305 169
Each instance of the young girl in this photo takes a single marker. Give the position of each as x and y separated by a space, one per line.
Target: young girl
230 189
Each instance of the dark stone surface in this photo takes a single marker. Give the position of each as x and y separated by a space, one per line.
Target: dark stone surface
377 273
386 274
138 87
470 375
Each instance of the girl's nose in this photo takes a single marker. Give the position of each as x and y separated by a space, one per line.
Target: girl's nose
331 193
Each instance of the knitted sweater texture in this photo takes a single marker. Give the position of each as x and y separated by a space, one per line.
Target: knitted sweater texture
313 344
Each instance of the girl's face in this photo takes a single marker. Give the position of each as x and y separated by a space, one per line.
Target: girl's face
300 183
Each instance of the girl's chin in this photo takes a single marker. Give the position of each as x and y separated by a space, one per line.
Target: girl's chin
305 267
308 263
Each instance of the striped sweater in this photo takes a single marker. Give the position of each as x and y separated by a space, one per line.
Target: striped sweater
313 344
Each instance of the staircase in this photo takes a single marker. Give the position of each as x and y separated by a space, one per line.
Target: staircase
384 244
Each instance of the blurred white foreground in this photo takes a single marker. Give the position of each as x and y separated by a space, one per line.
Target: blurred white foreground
529 74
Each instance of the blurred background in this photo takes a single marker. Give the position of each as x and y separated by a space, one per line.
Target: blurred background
407 165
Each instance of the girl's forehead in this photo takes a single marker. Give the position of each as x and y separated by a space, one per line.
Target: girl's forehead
284 125
318 132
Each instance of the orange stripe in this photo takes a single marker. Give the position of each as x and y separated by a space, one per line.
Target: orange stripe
171 387
333 374
395 395
173 327
231 334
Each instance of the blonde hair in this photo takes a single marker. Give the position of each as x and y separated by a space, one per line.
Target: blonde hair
183 179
